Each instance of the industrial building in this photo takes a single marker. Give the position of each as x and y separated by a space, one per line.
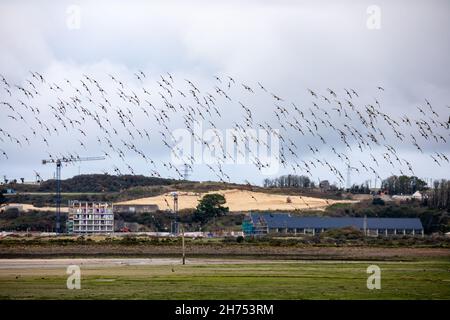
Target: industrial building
90 217
256 224
135 208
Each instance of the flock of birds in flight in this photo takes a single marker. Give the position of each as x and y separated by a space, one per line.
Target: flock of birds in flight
122 118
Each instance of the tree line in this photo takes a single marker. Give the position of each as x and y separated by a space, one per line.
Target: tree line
94 183
289 181
439 195
402 185
362 188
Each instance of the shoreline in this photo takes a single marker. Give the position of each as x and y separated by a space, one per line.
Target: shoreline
222 251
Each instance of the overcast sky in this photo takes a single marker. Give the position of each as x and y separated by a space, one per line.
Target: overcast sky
288 46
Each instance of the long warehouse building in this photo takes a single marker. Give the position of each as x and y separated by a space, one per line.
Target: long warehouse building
257 224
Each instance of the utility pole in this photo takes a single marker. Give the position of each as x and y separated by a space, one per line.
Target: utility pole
186 171
58 196
349 175
175 228
365 225
183 246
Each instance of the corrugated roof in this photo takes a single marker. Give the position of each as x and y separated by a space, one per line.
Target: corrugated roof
281 220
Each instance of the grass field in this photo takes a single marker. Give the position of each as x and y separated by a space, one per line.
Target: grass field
239 279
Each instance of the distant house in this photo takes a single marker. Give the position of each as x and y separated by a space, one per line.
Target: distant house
135 208
416 195
273 223
324 185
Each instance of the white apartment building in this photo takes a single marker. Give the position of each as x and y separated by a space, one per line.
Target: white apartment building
90 217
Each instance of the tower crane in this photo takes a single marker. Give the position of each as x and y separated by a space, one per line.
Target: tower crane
59 163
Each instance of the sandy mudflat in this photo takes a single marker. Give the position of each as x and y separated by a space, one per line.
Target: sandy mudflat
160 254
91 263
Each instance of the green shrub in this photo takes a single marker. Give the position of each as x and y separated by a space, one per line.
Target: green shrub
348 233
378 202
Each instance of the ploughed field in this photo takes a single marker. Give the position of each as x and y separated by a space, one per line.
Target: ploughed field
241 200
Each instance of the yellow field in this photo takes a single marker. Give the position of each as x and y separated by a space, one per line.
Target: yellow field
240 200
